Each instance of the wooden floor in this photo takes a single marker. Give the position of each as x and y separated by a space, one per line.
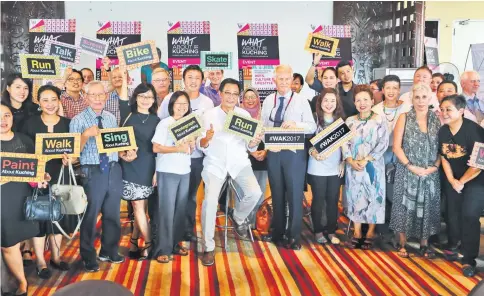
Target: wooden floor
260 268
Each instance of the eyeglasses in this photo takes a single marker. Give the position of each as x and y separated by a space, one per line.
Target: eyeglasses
146 98
74 80
97 96
233 95
160 80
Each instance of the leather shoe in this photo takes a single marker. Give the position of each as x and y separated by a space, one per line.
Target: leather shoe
189 237
241 229
292 244
208 258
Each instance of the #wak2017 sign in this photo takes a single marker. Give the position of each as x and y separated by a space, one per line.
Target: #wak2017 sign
211 60
284 139
324 45
39 66
93 46
242 126
332 137
53 145
477 156
186 127
20 167
116 139
68 54
137 54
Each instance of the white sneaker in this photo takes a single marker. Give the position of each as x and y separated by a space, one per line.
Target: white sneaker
320 238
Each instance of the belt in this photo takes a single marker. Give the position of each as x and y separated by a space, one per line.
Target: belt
111 164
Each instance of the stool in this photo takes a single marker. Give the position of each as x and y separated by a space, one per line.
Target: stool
230 186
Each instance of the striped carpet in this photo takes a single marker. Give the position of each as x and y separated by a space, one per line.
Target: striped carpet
260 268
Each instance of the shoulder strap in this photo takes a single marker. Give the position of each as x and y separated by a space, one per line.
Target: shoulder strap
127 118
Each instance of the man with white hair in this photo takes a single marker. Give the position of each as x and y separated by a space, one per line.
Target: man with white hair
287 168
470 82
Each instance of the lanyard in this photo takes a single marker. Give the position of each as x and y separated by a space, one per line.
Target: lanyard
285 109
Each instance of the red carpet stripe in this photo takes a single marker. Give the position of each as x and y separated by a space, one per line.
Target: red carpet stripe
277 269
264 269
176 276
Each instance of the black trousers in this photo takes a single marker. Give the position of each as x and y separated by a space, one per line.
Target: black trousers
103 195
453 215
325 191
191 206
472 207
286 172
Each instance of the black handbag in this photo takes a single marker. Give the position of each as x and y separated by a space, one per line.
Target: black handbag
390 169
42 207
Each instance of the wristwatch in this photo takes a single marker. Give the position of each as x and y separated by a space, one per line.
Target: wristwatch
313 64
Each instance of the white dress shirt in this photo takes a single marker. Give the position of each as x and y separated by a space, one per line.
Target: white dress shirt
407 98
198 105
226 152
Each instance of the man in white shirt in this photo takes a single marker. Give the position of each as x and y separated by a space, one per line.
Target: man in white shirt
470 81
422 75
192 79
226 153
287 168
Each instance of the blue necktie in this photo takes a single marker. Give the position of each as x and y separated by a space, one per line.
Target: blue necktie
278 118
103 158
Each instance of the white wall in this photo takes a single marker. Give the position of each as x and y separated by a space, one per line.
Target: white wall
294 19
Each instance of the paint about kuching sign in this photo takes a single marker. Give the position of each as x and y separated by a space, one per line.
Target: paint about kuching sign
242 126
186 127
116 139
284 139
21 167
138 54
477 156
318 43
54 145
332 137
39 66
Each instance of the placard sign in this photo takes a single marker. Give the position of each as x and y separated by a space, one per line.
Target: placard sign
332 137
318 43
477 156
284 139
67 53
116 139
138 54
187 127
53 145
93 46
21 167
211 60
242 126
39 66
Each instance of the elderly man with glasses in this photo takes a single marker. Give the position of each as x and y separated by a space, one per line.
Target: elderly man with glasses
102 179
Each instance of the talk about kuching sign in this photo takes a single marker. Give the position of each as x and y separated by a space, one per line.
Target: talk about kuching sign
39 66
284 139
477 156
116 139
211 60
138 54
21 167
332 137
242 126
318 43
54 145
93 46
68 54
186 127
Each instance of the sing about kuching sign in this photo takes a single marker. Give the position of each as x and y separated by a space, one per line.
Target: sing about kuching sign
116 139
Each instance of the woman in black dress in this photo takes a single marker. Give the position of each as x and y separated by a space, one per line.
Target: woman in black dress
139 165
15 229
48 122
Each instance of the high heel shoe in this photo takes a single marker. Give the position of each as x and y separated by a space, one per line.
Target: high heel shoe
134 254
146 247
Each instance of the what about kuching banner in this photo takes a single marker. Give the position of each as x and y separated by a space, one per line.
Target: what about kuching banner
41 30
186 41
343 51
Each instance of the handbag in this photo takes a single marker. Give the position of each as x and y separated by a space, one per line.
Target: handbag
390 169
263 216
42 207
73 197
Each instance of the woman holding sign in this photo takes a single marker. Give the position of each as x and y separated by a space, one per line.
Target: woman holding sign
324 172
465 189
173 178
139 166
365 167
49 122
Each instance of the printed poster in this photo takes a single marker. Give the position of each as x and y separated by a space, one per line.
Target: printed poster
186 41
41 30
258 45
477 52
343 51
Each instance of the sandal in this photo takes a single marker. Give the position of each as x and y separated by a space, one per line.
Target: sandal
353 243
134 254
402 253
179 250
334 239
368 243
27 262
163 259
427 252
145 248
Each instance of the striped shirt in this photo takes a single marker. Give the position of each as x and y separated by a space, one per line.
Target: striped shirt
83 121
112 105
73 107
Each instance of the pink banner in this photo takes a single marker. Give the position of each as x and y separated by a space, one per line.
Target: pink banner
181 62
256 62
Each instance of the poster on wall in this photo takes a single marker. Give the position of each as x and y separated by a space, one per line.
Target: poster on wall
116 34
41 30
257 45
477 52
343 50
431 52
186 41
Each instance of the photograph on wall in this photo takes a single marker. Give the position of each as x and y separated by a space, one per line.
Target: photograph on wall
41 30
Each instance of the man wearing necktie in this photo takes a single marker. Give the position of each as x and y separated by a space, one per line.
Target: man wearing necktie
470 82
102 180
287 168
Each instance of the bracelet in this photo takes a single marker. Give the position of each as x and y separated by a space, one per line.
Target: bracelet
314 65
408 164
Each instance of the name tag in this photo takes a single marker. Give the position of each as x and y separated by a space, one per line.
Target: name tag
332 137
284 139
20 167
55 145
242 126
477 156
188 127
116 139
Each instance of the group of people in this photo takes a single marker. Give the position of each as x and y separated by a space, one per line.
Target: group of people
421 140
